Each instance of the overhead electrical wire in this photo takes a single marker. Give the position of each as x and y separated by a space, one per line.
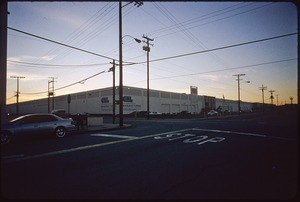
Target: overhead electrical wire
69 85
75 34
198 19
232 68
94 30
221 70
171 57
216 49
80 82
102 27
192 27
88 24
165 58
40 65
62 44
181 27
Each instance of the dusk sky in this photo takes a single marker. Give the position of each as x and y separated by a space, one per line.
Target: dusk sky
177 28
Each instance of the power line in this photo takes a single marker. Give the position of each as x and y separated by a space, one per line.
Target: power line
81 81
94 32
78 82
215 49
181 27
220 70
40 65
160 59
196 19
215 20
74 35
62 44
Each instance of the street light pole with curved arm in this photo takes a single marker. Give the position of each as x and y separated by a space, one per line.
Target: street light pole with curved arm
136 3
136 39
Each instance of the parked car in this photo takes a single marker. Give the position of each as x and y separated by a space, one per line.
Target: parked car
36 124
212 113
138 113
155 113
61 113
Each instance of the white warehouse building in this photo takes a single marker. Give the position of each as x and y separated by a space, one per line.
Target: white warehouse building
100 101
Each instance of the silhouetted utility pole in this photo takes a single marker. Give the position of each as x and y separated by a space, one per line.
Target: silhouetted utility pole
112 69
291 98
136 3
147 49
272 97
18 92
51 92
263 88
3 58
239 97
277 99
121 67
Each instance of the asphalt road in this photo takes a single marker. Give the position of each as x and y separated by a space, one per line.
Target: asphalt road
251 156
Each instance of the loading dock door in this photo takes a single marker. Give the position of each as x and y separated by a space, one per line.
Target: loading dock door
165 108
175 108
184 108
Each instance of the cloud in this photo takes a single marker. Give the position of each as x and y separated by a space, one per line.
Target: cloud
210 77
23 70
59 15
30 58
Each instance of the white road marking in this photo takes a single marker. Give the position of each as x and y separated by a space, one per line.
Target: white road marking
20 157
239 133
90 146
116 136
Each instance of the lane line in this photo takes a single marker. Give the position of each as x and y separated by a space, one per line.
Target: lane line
240 133
116 136
90 146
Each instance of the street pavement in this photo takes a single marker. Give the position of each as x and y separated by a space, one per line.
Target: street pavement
252 156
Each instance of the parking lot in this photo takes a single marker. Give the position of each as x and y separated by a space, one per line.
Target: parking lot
244 157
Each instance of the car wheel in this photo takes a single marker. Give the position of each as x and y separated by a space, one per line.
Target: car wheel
5 137
60 132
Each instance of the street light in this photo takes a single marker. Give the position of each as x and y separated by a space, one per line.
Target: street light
136 3
136 39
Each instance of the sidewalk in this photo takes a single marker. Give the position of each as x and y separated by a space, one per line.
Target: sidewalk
100 128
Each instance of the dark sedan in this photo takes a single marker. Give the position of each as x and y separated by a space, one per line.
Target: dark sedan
36 124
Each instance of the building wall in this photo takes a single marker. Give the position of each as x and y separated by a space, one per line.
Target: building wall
135 99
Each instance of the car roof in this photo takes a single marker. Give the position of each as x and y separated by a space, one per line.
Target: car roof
37 114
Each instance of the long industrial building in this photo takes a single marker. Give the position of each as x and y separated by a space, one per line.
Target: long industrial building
100 101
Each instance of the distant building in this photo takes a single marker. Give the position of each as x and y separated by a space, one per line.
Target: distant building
100 101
